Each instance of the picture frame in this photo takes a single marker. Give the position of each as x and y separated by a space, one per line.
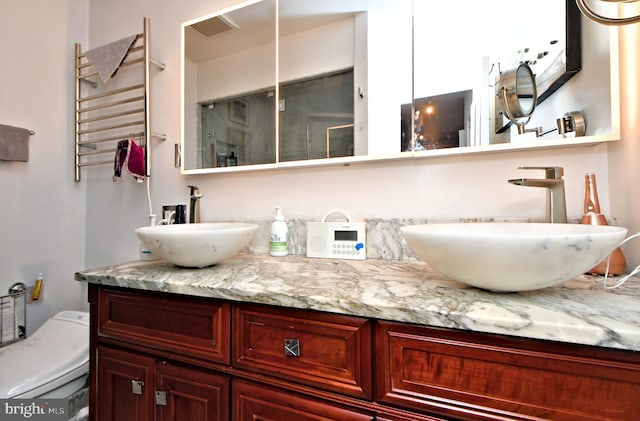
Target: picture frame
239 111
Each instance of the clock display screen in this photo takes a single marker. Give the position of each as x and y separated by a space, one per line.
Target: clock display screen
346 235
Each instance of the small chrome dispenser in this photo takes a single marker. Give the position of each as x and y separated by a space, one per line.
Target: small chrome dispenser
572 122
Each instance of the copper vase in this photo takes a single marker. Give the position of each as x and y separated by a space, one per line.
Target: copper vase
592 216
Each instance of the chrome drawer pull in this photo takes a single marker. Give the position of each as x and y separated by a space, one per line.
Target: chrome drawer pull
161 398
292 347
136 387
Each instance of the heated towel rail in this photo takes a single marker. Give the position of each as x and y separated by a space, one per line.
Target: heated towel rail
107 113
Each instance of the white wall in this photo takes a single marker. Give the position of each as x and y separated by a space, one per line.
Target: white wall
42 222
389 72
449 187
624 157
218 78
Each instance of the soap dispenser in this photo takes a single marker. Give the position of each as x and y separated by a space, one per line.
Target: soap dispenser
592 216
278 244
232 160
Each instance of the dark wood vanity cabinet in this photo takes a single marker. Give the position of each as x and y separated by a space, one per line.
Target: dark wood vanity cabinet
257 402
167 357
125 386
329 351
189 393
476 376
157 356
141 341
136 388
184 326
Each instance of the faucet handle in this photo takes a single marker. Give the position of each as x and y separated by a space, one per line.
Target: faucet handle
549 172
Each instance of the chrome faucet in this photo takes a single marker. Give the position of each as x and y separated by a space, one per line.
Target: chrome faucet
194 204
553 181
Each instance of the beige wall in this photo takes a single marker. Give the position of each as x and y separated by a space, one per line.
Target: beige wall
42 221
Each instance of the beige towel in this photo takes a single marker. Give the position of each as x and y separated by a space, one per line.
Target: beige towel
14 143
108 58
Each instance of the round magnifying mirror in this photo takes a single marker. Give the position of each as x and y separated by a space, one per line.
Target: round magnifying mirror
517 93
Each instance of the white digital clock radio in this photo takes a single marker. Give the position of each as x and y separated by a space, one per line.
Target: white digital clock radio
337 239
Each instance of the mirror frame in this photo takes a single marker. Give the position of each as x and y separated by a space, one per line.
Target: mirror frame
573 48
571 69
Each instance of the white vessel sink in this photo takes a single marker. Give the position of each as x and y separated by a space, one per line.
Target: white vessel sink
512 256
196 245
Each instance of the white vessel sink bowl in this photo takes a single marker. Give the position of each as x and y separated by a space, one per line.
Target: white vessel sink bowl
512 256
196 245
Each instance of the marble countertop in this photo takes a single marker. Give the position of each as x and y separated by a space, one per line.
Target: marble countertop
579 311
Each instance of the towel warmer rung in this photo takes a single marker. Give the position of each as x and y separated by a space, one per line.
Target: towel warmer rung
124 64
110 116
96 152
113 127
127 62
134 50
158 64
93 163
111 104
88 143
89 82
111 93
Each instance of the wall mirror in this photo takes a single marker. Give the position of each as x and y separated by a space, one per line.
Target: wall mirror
344 81
229 88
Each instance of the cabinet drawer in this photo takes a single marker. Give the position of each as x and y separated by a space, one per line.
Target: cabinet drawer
328 351
194 327
477 376
256 402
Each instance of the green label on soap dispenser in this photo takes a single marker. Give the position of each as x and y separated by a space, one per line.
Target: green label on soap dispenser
277 246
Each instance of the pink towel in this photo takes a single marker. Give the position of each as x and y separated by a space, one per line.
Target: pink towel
135 162
131 156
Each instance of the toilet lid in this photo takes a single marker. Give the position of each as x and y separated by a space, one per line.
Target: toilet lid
55 354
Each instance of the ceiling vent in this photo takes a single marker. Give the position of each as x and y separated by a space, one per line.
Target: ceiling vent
214 26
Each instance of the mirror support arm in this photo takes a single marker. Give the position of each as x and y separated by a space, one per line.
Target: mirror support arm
523 130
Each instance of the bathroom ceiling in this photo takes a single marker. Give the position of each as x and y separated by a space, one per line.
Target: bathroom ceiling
293 17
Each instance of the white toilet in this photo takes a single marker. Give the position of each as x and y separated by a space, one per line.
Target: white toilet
51 363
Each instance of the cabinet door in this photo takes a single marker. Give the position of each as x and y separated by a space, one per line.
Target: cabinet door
125 386
253 402
190 395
